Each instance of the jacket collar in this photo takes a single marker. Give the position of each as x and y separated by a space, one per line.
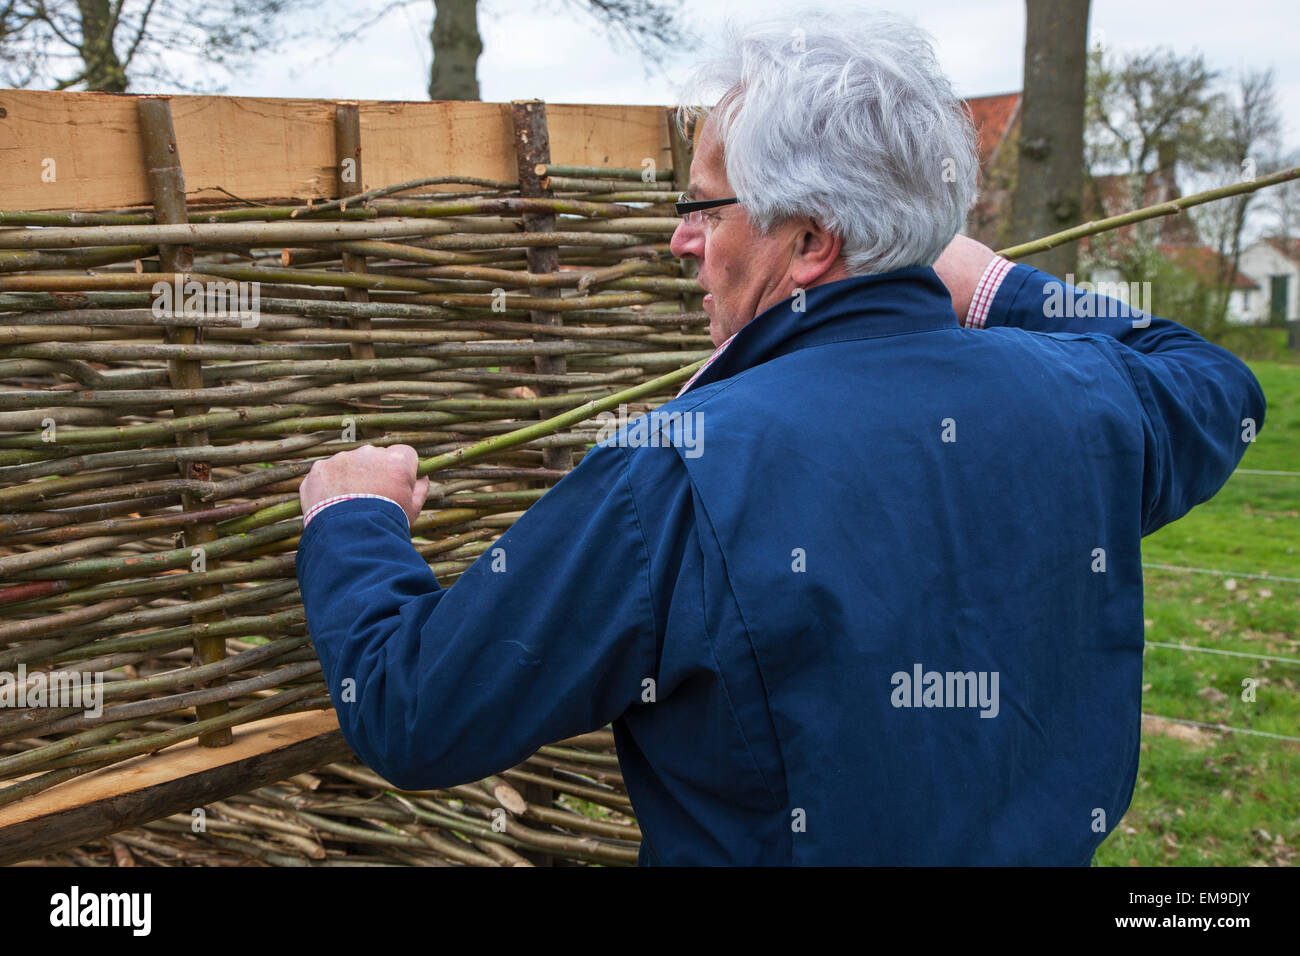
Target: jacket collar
913 299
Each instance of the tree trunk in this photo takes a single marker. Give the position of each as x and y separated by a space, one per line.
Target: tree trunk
456 49
104 71
1049 179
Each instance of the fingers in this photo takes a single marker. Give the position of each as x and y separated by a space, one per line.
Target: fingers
419 494
408 456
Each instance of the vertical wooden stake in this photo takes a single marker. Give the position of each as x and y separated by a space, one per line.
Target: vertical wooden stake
167 189
347 149
683 151
533 147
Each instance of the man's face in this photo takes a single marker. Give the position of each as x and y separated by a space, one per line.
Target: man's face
742 272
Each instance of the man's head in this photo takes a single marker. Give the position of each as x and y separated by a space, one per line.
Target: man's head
848 146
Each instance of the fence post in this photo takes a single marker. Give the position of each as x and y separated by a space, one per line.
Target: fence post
167 190
347 149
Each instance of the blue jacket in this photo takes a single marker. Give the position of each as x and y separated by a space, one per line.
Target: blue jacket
886 609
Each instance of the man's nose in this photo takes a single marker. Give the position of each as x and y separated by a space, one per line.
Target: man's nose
687 241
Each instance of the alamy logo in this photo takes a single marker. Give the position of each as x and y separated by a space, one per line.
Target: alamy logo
53 689
922 688
655 429
1101 300
74 908
235 300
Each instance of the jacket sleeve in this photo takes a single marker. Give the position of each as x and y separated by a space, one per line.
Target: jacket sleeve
548 634
1202 406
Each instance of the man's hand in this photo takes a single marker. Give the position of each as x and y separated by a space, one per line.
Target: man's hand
960 266
368 471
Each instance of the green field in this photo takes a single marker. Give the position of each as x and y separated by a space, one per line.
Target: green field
1206 797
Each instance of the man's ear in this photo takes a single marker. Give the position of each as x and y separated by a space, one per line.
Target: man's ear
816 253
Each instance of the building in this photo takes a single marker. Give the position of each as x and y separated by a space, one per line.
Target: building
1274 265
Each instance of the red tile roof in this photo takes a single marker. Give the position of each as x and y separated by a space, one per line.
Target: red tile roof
993 117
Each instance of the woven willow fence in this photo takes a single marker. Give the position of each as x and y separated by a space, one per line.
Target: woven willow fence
169 374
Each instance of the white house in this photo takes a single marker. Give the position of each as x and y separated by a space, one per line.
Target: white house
1274 265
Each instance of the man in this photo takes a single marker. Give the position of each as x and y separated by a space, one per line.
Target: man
890 610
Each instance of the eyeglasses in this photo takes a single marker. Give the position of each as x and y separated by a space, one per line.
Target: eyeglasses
690 209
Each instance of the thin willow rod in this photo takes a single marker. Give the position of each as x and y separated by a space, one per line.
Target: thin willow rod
41 492
547 815
132 620
503 207
278 623
11 565
256 354
14 631
177 702
514 835
27 760
145 317
97 754
106 491
101 281
1148 212
565 753
71 258
20 217
584 772
213 454
331 252
225 233
609 798
650 203
165 522
262 569
514 303
232 544
158 398
74 722
501 442
186 676
662 189
570 237
600 172
360 421
454 332
154 431
580 847
509 277
344 201
69 333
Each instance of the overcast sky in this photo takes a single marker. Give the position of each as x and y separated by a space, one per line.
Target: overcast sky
542 49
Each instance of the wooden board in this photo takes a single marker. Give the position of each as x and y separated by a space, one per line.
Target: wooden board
176 780
264 148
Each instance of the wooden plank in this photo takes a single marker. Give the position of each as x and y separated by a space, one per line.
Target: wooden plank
175 780
265 148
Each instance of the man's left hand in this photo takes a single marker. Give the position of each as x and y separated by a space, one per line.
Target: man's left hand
371 471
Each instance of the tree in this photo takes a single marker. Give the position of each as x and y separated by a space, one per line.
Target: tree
1242 138
1050 150
1147 112
654 28
115 45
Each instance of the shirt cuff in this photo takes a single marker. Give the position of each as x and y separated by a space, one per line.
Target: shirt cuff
320 506
987 288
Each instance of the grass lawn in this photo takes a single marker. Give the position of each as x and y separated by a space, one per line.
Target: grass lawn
1206 797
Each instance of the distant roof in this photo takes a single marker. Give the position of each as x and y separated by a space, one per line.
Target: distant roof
1203 262
993 117
1288 247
